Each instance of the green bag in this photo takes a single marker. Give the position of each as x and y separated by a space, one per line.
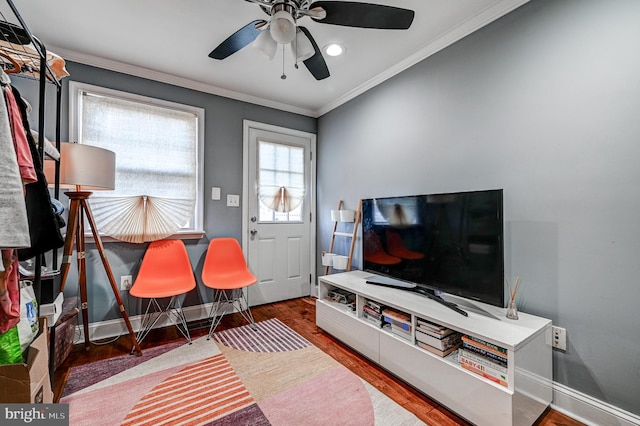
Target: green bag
10 352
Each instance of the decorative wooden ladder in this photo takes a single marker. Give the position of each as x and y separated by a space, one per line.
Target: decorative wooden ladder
351 235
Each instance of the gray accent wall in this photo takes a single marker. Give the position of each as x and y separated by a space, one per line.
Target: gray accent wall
222 168
543 103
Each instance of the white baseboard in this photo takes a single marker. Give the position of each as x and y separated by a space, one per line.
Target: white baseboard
589 410
568 401
116 327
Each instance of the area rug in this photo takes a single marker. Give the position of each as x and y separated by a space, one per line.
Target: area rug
243 376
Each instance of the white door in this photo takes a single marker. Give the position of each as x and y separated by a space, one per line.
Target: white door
278 207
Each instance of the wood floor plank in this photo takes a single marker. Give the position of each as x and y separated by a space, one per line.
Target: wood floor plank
299 315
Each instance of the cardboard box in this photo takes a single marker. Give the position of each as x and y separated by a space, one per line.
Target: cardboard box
29 382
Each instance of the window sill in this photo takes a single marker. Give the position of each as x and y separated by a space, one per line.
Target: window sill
184 235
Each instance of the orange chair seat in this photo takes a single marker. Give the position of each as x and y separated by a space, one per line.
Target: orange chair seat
228 280
225 267
165 271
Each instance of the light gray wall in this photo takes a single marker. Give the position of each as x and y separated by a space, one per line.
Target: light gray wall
543 103
222 163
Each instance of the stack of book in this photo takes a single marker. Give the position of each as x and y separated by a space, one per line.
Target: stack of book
342 296
399 322
484 358
372 312
436 338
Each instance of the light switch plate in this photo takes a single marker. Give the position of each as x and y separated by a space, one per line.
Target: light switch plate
215 193
233 200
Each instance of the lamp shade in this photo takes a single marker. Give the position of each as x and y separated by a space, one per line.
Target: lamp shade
266 44
301 47
283 27
84 167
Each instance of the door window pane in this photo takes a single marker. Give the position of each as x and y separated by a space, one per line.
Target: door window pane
280 182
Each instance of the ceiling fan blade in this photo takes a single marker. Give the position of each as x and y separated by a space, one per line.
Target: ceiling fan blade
315 64
236 41
364 15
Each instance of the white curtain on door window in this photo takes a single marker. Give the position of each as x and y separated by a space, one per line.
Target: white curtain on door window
280 176
280 198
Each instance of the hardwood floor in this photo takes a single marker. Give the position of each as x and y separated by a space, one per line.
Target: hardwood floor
298 314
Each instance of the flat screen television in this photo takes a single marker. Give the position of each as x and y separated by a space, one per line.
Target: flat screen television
437 243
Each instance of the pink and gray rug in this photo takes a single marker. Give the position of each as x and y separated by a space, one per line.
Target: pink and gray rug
271 376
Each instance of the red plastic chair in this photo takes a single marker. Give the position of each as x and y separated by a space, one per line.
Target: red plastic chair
165 272
225 271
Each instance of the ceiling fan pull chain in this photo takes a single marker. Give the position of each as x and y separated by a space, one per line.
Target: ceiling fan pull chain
295 50
283 76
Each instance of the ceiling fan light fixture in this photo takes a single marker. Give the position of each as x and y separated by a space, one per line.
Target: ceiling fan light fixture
266 44
282 27
334 49
301 47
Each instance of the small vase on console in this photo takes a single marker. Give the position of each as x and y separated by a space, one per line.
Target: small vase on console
512 310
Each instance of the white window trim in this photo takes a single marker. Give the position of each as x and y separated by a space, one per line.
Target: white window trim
75 91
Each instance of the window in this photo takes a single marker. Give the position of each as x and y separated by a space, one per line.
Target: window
158 146
280 182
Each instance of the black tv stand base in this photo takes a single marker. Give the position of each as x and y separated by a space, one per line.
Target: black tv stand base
402 285
439 299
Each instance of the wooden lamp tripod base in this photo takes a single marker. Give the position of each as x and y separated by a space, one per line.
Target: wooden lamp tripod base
78 208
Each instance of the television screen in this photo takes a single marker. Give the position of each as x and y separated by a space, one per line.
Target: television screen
451 243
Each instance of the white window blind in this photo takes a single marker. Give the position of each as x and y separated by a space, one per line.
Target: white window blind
157 146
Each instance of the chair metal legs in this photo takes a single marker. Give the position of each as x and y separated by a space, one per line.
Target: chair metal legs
238 299
153 313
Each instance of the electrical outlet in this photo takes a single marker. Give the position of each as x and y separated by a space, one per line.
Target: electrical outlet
559 338
126 281
233 200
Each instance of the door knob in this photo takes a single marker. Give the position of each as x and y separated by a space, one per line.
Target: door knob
254 231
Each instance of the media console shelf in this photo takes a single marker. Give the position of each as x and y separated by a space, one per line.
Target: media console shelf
518 400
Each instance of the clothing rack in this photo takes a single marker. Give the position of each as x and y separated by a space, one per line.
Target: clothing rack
21 49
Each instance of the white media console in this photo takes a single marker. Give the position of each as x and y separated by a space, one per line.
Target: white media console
527 341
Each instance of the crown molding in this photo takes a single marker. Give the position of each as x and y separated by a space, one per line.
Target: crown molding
111 65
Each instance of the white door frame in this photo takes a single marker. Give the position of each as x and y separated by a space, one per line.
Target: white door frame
248 124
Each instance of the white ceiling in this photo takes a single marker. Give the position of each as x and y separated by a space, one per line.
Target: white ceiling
169 40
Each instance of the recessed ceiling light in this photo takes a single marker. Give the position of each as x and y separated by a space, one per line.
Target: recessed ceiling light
334 49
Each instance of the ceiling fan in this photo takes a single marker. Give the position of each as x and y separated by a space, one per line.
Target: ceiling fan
282 28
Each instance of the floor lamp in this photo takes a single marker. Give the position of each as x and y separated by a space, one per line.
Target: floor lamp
83 168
